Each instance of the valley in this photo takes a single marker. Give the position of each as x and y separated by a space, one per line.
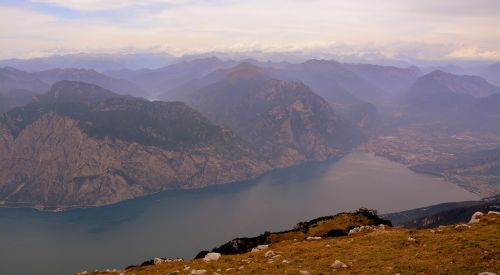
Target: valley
467 159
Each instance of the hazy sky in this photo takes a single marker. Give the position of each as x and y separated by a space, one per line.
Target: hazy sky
427 29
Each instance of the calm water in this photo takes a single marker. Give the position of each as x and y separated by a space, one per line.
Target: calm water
181 223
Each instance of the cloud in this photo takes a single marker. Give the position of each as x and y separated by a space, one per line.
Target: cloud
98 5
396 28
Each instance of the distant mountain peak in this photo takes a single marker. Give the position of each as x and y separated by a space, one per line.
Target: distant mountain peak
246 70
321 62
444 82
75 91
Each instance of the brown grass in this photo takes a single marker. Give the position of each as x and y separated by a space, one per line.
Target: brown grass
447 251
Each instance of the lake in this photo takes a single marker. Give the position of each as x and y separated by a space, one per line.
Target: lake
182 223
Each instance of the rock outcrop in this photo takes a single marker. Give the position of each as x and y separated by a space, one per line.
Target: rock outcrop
80 154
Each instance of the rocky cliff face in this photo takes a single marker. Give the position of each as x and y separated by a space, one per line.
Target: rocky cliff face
283 120
61 156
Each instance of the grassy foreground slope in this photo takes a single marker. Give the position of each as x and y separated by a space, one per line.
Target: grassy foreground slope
462 249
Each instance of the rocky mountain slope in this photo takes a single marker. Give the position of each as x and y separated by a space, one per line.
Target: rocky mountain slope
107 148
283 120
345 91
455 249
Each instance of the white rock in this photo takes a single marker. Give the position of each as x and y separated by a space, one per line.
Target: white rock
487 273
186 267
432 231
198 271
338 265
310 238
493 212
212 256
269 253
285 261
328 245
215 273
158 261
303 272
411 239
475 217
260 248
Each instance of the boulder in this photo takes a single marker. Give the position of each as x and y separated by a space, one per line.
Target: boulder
212 256
269 254
493 212
475 217
198 271
303 272
311 238
338 265
260 248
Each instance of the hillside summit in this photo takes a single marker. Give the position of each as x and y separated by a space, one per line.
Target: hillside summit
467 248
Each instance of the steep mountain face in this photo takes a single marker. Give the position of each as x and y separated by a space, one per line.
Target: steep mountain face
442 92
160 81
337 85
284 120
90 76
91 153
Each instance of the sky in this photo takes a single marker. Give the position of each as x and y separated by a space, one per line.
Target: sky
419 29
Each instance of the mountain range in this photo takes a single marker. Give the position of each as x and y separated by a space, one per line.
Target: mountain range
91 139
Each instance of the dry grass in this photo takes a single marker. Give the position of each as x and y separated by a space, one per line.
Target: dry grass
447 251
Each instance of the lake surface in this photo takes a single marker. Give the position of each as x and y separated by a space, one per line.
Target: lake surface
182 223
